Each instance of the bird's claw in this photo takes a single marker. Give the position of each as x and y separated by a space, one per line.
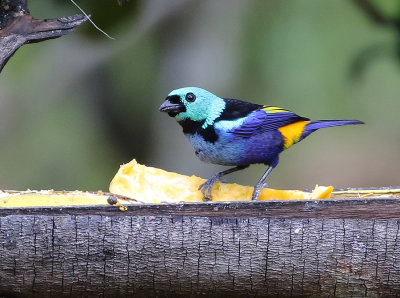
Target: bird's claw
257 191
207 186
256 194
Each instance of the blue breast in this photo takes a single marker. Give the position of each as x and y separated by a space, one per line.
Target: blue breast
231 150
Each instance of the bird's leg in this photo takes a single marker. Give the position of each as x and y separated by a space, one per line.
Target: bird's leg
207 186
260 184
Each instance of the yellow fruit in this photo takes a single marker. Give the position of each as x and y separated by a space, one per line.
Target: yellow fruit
47 198
152 185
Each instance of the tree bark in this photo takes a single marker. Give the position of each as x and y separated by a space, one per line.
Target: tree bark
17 27
288 248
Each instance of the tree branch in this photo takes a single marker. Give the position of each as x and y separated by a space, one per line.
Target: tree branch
18 27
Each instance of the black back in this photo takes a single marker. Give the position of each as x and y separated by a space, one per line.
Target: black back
236 108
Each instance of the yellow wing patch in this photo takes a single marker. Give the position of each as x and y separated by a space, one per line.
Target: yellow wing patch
291 133
272 109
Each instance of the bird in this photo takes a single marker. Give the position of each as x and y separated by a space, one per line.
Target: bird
232 132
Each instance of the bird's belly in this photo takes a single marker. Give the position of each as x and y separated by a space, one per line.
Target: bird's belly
232 151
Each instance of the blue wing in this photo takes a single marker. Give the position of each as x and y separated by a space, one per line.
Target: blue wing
265 119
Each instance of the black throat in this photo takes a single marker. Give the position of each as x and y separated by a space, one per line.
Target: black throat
191 127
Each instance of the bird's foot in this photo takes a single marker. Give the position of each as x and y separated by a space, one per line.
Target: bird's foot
257 191
256 194
207 186
261 184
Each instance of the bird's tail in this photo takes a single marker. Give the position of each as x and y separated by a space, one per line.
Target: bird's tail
315 125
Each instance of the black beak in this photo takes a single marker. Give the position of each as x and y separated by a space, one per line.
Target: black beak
172 108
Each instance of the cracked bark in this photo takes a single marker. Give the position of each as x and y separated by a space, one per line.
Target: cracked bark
321 248
18 27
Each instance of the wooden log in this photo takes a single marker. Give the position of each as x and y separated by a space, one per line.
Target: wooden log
271 248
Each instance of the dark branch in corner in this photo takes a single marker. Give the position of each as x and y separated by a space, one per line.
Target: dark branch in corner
376 16
374 51
18 27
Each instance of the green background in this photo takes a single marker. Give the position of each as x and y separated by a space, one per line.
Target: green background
73 109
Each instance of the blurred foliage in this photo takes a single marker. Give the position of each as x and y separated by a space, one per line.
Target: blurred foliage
73 109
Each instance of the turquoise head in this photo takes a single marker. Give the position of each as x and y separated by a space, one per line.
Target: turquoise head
193 103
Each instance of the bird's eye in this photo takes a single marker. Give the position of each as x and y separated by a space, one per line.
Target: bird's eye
190 97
